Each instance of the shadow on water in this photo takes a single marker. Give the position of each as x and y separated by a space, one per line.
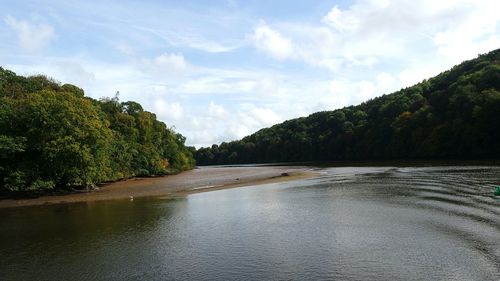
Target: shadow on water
77 241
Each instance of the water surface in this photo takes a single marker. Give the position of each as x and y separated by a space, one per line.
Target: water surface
360 223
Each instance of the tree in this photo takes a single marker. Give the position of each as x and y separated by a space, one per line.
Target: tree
53 137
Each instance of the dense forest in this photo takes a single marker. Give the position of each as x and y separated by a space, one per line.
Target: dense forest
455 115
52 137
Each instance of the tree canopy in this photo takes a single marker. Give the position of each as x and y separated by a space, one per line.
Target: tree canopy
53 137
453 115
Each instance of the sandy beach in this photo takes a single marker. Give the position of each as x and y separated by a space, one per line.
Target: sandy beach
197 180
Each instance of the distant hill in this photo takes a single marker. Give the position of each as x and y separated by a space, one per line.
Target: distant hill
455 115
53 137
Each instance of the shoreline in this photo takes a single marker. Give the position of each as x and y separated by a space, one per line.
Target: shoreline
200 179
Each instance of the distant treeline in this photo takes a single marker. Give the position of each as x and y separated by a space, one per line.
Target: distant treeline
455 115
53 137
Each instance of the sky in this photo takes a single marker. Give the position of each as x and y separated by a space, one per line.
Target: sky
220 70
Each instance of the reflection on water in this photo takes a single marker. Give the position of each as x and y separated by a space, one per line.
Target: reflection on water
84 241
382 223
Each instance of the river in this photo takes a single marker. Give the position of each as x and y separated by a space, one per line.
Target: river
351 223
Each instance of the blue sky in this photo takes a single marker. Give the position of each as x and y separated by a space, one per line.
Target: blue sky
220 70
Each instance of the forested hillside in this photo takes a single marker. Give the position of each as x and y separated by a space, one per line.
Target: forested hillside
53 137
455 115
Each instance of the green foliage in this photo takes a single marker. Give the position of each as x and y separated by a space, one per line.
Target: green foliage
453 115
52 137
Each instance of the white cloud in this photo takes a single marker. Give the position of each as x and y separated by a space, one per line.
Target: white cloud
196 42
74 73
387 83
413 75
217 124
191 39
370 32
235 131
475 32
169 111
266 87
340 20
166 64
264 116
341 93
204 138
32 37
272 42
210 46
214 84
175 61
249 119
216 111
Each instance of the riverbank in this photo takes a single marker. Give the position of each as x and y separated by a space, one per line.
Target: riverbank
194 181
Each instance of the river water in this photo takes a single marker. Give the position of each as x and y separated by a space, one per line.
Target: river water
357 223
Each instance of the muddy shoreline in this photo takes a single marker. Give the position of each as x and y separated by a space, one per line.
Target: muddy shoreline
201 179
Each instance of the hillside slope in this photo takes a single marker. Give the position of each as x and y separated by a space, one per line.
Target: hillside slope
455 115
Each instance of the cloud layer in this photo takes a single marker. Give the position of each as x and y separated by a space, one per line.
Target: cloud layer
220 73
32 37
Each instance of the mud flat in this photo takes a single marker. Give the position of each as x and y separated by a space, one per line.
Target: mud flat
201 179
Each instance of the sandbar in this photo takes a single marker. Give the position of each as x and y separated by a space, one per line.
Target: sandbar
200 179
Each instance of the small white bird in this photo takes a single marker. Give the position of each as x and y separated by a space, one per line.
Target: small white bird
131 198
